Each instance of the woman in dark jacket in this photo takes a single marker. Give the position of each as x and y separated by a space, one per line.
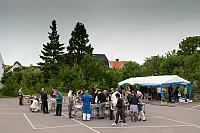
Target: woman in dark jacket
133 101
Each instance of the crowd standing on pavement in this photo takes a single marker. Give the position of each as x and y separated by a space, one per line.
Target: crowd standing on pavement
94 104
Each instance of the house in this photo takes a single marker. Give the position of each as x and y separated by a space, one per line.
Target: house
101 57
16 65
117 64
1 68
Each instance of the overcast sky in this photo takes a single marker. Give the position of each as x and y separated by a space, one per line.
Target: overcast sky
123 29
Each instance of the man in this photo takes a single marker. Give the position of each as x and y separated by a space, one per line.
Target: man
44 98
120 110
86 108
185 93
20 95
159 93
176 92
102 104
71 99
141 115
170 91
58 102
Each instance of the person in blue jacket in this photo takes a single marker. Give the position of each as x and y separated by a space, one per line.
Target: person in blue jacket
86 108
58 102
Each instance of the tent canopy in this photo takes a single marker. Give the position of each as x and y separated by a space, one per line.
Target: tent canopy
156 81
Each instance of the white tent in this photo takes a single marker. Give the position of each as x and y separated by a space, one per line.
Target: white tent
156 80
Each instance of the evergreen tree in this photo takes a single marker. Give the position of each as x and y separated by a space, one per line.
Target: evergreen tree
52 52
78 43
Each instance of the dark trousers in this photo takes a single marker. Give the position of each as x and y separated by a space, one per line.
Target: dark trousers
120 112
170 97
20 101
45 107
111 114
58 109
159 97
176 98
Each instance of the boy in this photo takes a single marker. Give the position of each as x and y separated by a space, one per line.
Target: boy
120 111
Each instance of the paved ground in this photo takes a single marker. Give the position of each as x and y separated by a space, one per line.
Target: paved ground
180 118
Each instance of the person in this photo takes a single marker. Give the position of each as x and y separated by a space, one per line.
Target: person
133 101
176 92
86 107
35 105
58 102
53 101
141 115
94 94
159 93
185 93
102 104
71 99
111 105
120 111
44 99
170 91
20 95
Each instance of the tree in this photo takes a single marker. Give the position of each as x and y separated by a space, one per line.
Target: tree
52 51
78 43
189 45
152 65
131 69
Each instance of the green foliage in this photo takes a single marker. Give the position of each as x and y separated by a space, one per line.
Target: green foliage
189 45
52 52
78 43
131 69
171 63
152 65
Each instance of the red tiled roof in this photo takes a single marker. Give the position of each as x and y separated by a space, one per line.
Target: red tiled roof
116 64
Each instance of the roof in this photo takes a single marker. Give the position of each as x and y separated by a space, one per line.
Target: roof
101 57
156 80
117 64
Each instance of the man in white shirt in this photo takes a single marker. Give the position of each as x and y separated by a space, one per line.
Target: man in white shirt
159 93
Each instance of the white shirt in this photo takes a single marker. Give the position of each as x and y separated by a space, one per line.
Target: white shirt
159 90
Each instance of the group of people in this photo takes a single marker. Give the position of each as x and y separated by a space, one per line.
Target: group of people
172 93
117 100
56 102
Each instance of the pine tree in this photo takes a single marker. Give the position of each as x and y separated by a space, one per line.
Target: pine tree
52 52
78 43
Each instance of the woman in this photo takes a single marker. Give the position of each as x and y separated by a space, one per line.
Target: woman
133 101
35 105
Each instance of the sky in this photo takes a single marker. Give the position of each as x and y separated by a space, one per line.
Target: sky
128 30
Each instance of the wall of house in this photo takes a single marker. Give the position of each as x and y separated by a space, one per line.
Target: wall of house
1 67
